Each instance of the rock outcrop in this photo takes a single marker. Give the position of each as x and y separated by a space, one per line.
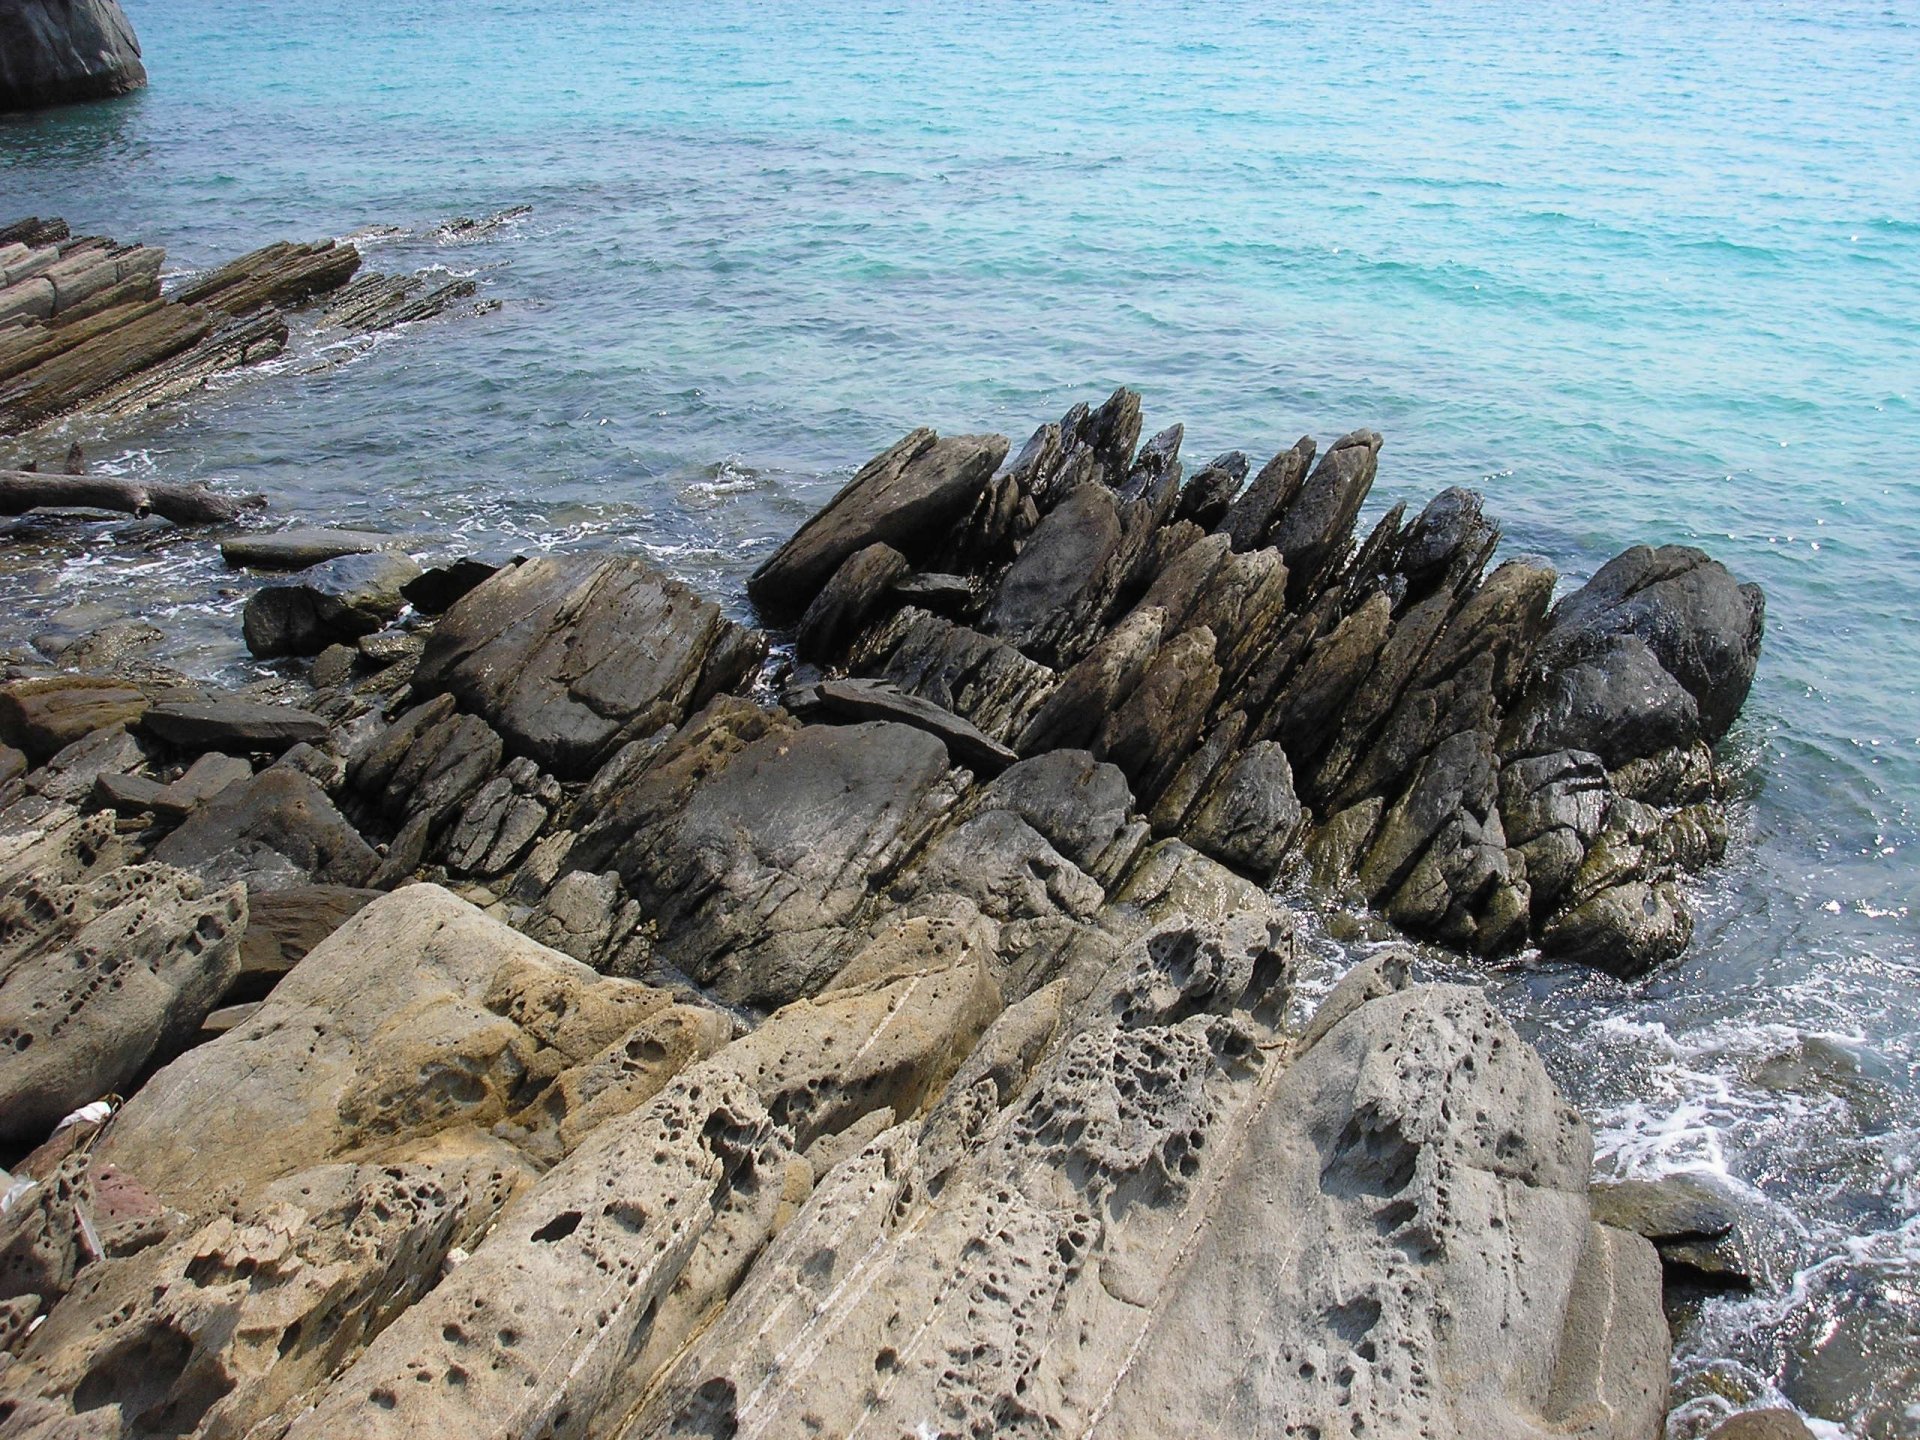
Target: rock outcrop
603 1050
56 51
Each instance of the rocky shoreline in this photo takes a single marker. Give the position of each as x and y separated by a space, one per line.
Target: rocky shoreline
581 1014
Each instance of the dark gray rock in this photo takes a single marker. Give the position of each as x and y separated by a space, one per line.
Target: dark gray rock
1452 524
984 680
857 700
237 727
931 590
334 602
570 657
1314 529
847 602
1672 1208
1047 594
908 496
1082 806
1251 817
1210 491
277 831
1250 517
1625 930
300 548
756 847
1617 702
56 51
437 589
1152 731
1702 626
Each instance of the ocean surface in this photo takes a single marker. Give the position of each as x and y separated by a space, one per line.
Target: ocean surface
1641 272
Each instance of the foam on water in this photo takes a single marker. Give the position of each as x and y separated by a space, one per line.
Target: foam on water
1647 273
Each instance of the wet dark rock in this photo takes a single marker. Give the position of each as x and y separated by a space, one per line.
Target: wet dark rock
277 831
334 602
1617 702
1451 524
907 497
300 548
439 588
71 774
53 52
545 652
333 666
238 727
1624 930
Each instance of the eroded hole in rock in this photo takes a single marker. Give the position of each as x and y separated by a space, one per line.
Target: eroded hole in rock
1354 1320
149 1375
559 1227
1371 1157
709 1415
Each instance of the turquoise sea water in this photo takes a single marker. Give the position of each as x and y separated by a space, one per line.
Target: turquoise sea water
1648 271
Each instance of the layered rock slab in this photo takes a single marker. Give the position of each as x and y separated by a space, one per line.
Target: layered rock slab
569 657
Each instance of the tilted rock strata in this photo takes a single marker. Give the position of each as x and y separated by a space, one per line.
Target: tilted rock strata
915 1058
1489 768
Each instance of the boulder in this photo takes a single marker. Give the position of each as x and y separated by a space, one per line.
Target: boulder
1251 817
416 1015
1617 702
276 831
546 653
908 497
56 51
1762 1425
237 727
1702 626
334 602
299 548
1047 594
847 601
754 859
102 975
46 714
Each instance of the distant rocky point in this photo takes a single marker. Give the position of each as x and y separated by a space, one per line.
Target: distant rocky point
53 52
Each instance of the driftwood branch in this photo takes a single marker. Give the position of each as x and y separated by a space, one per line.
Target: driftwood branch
23 490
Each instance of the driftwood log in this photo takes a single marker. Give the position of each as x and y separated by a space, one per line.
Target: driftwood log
24 490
